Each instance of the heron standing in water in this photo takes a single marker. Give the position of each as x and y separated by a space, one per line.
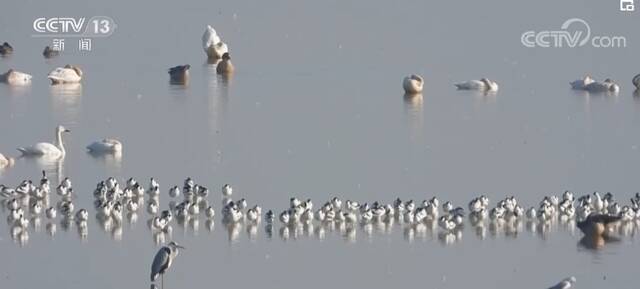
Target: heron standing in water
163 260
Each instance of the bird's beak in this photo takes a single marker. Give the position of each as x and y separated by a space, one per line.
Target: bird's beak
181 247
66 130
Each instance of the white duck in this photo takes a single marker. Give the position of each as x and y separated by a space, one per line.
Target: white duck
212 44
483 84
66 74
46 149
12 77
581 84
107 145
6 161
413 84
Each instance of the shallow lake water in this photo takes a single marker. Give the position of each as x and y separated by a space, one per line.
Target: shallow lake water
316 110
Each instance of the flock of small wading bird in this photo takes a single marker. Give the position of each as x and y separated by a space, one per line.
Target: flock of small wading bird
598 216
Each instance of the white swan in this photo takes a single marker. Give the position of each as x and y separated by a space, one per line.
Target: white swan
6 161
107 145
13 77
413 84
212 44
581 83
636 81
46 149
483 84
607 85
66 74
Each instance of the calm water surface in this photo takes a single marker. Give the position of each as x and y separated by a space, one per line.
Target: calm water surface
316 109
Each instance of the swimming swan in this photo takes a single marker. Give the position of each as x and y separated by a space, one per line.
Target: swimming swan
107 145
13 77
483 84
6 161
212 44
413 84
581 83
225 66
66 74
46 149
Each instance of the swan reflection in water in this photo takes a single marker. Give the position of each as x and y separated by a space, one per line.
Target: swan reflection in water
66 101
111 160
413 108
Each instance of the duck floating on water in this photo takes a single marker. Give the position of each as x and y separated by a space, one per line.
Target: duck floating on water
50 53
581 84
225 66
179 74
5 49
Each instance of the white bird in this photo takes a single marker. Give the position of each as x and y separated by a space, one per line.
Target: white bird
227 190
210 212
174 192
607 85
107 145
581 84
67 74
82 215
46 149
212 44
36 208
565 284
253 215
6 161
446 223
163 260
51 213
413 84
12 77
483 84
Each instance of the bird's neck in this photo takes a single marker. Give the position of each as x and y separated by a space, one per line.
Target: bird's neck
59 143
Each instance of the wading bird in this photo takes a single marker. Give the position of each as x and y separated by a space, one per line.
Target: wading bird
163 260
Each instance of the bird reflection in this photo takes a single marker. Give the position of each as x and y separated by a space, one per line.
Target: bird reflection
112 161
596 242
414 112
18 90
66 100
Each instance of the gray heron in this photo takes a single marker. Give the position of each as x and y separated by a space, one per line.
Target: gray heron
163 260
